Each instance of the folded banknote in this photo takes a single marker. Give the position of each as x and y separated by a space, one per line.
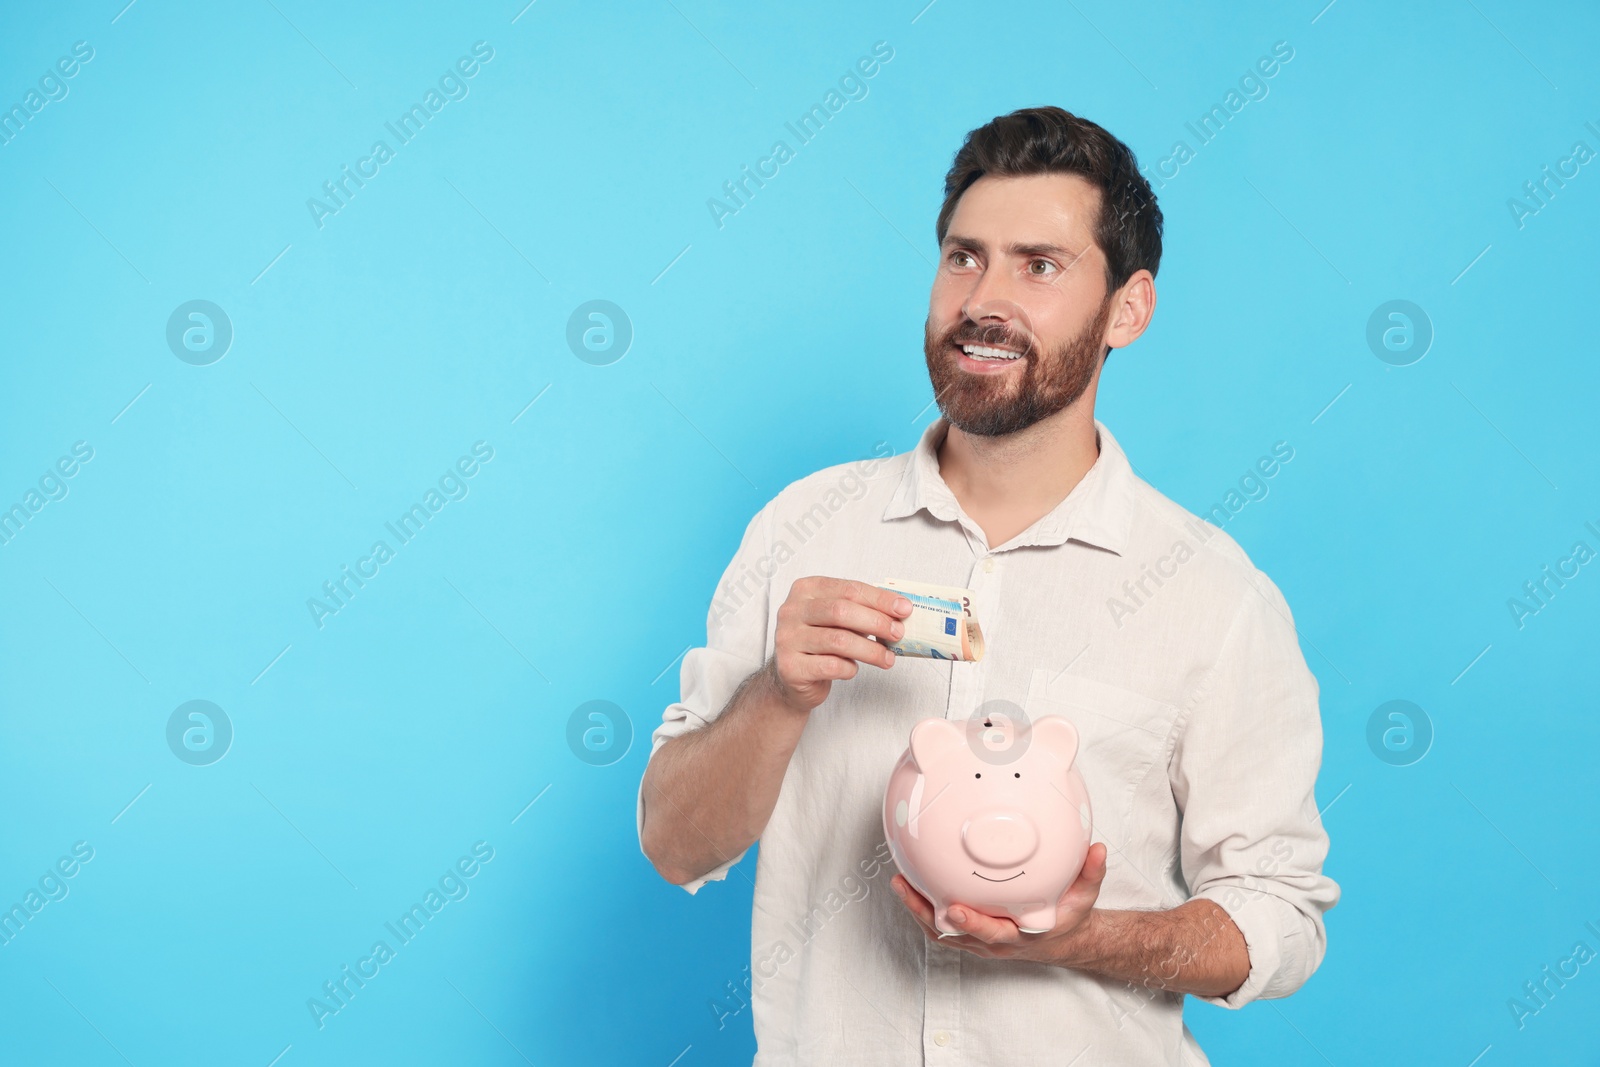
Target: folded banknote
941 624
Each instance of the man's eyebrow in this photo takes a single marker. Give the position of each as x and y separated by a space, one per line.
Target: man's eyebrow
1014 248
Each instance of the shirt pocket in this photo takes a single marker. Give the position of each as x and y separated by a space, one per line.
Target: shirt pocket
1122 735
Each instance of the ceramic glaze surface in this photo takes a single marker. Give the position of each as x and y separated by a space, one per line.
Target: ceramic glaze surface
991 815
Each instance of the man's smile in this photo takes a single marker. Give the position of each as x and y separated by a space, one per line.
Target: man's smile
986 359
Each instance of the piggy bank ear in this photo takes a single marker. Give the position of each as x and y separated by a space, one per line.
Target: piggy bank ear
1056 737
934 741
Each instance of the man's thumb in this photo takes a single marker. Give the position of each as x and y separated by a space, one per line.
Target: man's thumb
1094 865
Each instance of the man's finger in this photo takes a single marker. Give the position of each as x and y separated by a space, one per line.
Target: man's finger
844 613
823 641
923 918
985 928
920 907
914 901
922 910
1093 871
1094 865
1085 889
812 669
884 600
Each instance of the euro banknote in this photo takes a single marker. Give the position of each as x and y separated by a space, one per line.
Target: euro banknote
942 623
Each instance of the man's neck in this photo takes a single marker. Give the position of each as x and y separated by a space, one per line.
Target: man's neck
1006 484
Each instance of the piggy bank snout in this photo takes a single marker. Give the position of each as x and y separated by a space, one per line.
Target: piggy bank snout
1000 839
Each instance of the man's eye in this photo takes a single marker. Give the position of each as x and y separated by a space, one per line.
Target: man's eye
1051 267
958 258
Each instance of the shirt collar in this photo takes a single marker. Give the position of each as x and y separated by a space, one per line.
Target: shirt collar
1098 511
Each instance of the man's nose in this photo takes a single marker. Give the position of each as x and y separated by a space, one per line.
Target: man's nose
989 301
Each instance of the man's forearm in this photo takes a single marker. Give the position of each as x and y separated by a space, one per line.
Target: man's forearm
1193 948
709 793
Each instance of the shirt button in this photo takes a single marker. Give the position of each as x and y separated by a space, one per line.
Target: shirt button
941 1039
988 565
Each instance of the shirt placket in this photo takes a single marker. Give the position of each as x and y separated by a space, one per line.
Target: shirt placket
968 681
941 965
942 1019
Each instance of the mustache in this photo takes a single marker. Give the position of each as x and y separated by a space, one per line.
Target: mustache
994 334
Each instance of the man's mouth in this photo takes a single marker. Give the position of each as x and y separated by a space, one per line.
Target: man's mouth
986 359
986 878
990 352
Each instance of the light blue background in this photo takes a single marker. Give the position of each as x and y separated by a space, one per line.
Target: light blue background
432 709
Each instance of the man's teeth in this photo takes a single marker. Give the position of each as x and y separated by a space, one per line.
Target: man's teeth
984 352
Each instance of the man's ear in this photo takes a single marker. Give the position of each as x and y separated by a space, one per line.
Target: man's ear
1134 306
933 741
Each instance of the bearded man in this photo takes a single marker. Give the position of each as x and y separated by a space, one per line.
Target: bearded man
1101 600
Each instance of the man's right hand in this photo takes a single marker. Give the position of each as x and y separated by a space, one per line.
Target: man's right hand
709 793
823 630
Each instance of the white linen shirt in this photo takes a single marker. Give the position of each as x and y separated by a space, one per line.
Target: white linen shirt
1176 659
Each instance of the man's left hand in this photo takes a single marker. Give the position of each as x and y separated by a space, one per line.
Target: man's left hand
985 935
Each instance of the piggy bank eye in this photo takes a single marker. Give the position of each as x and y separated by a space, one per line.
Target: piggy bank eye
978 774
1016 774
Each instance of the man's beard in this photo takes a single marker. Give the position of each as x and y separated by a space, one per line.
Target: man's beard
988 406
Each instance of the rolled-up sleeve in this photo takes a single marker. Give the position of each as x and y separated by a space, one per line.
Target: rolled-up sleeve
736 639
1244 772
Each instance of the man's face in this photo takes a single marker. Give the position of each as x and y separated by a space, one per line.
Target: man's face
1019 271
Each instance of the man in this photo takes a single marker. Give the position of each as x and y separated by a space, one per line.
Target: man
1100 600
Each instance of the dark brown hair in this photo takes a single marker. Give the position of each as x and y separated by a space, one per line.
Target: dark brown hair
1048 140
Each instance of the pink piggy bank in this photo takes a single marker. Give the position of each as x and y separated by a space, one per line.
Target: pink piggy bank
990 814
